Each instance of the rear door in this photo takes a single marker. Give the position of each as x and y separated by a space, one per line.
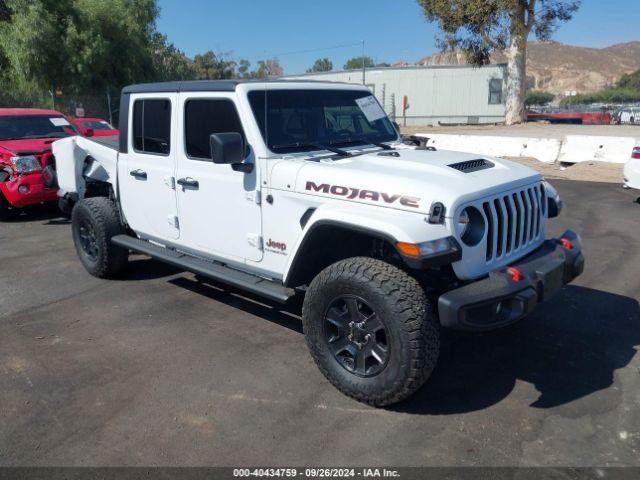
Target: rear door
146 172
219 208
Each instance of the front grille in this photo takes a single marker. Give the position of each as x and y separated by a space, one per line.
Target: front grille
515 220
472 165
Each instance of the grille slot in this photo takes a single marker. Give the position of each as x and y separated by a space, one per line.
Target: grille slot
514 221
469 166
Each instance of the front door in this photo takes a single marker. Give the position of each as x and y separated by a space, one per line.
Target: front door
146 172
218 207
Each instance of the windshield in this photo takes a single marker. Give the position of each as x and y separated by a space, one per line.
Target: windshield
305 120
97 125
16 127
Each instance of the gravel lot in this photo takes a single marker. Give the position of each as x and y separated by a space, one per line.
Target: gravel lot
158 369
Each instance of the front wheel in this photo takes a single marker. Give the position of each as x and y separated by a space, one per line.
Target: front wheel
94 221
371 330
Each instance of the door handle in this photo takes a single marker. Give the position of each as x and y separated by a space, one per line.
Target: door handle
188 182
141 174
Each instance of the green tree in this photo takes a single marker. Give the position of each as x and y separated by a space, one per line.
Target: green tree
321 65
630 80
480 27
209 66
78 45
356 63
537 97
244 69
170 63
268 68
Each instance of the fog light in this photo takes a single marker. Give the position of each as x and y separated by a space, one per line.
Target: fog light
23 188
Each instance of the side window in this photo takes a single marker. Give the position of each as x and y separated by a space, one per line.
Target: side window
152 126
202 117
495 91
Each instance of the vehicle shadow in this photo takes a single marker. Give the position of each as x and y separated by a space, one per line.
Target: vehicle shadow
288 316
140 267
49 213
568 348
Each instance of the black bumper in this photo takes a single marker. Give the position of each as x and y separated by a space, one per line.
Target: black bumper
500 300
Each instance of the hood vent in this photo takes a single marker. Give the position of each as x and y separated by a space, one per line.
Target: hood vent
472 165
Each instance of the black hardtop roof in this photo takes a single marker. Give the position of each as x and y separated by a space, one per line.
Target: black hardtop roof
205 85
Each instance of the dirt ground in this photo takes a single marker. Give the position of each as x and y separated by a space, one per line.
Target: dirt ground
584 171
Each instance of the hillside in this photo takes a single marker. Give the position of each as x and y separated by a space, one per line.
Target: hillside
558 68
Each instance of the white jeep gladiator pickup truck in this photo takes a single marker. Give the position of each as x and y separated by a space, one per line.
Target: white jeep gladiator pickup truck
286 189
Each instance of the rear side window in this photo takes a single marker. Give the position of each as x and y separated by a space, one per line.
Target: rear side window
202 117
152 126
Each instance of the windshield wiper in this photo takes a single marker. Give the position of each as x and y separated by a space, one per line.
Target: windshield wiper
364 140
319 146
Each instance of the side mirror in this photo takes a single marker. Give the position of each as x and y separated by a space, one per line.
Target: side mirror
88 132
396 126
229 148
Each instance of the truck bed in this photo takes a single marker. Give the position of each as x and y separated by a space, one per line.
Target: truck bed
78 158
111 141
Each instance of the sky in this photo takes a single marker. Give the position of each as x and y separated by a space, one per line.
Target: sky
298 32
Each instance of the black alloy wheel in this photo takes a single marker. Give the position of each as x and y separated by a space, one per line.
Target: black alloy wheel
355 335
87 240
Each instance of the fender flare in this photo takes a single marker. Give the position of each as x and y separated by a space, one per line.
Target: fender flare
389 230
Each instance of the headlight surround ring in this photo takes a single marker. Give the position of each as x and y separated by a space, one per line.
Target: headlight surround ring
470 226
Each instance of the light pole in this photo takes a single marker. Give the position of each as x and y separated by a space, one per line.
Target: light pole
363 67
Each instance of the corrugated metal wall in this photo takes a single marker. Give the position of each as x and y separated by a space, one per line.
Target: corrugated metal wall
436 94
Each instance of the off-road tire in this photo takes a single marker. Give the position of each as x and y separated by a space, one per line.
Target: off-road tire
100 214
402 306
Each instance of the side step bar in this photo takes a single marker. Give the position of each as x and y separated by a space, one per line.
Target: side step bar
214 271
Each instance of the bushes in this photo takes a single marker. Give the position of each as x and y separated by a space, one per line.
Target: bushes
537 97
609 95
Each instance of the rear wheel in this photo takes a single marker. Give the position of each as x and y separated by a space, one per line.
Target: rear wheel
94 221
371 330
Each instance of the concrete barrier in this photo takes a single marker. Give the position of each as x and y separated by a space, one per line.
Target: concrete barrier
544 149
584 148
570 149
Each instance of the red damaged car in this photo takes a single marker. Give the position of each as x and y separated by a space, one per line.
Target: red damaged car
27 169
94 127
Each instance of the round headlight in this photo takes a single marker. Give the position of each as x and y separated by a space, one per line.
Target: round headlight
463 223
470 226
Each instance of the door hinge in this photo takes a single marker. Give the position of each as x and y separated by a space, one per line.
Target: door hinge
173 221
255 240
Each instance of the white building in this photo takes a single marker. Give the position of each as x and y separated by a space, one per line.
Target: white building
442 94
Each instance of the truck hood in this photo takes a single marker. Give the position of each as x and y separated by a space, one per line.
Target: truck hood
411 180
30 146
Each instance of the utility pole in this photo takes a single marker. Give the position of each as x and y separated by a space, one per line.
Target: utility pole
363 67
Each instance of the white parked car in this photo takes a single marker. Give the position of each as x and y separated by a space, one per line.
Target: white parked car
632 169
286 189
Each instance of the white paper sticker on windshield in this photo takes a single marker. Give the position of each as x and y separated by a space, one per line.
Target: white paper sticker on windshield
371 108
59 121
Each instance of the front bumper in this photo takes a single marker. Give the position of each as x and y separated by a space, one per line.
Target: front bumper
36 192
500 300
